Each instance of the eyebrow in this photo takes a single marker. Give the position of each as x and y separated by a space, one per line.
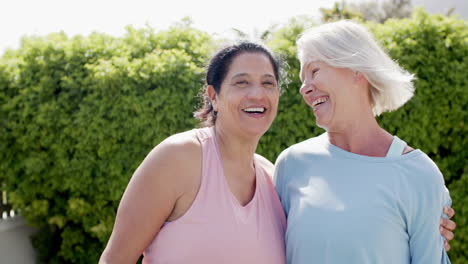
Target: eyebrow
239 75
245 74
269 75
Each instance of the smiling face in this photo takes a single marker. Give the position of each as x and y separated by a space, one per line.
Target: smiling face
248 99
336 95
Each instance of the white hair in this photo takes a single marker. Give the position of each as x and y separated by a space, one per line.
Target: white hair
346 44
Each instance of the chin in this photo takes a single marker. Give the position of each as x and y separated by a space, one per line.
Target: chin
321 123
321 126
256 131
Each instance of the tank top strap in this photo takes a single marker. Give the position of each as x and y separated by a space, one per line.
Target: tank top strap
211 167
203 134
396 148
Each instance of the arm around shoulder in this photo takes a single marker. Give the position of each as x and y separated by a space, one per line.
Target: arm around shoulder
150 198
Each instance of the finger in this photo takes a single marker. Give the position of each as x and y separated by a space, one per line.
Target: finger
448 235
446 245
448 224
449 212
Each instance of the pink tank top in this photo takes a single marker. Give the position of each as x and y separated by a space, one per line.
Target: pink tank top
216 228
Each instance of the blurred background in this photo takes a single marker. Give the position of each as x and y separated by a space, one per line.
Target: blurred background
88 88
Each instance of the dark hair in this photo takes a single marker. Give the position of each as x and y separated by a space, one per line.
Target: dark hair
218 68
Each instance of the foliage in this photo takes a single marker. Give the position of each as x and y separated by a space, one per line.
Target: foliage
340 10
376 11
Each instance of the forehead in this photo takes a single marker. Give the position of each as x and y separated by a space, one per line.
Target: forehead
251 63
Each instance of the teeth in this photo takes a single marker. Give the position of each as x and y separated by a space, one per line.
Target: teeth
319 100
254 110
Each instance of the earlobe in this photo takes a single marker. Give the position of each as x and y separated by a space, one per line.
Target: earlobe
359 77
211 93
356 75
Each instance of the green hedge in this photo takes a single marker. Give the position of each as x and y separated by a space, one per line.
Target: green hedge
433 47
78 115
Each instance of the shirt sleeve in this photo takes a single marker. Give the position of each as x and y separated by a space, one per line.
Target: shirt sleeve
280 181
428 196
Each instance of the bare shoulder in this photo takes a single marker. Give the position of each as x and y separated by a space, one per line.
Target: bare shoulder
186 141
169 171
179 147
174 161
266 164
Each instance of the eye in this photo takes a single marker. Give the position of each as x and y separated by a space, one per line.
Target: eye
314 71
242 82
269 83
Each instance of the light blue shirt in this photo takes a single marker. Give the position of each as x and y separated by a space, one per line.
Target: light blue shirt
343 207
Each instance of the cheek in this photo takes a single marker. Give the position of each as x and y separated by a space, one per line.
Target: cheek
231 98
323 82
274 97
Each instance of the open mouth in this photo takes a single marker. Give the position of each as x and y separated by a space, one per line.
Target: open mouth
254 110
319 101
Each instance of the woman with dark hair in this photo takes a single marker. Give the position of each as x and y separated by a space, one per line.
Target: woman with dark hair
204 196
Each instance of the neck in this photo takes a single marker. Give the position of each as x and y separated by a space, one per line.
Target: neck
362 136
236 149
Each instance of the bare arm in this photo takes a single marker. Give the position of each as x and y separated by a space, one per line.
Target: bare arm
150 199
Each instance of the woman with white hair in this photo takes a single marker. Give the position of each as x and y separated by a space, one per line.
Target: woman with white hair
357 194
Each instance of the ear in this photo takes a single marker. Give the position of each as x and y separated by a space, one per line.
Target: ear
211 93
361 81
359 78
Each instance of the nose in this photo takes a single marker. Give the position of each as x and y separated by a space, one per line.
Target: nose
306 88
257 91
